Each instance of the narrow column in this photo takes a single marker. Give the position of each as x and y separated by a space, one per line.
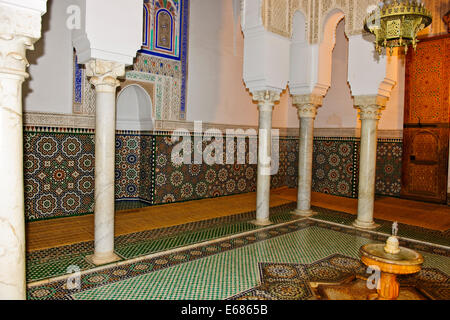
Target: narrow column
266 101
307 111
16 28
370 113
104 77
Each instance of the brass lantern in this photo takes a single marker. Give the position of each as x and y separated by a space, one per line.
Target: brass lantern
396 23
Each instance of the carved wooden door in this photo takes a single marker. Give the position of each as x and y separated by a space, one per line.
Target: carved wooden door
427 118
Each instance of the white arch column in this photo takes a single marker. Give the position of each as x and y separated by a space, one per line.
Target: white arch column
266 101
307 106
106 47
372 80
20 28
370 108
104 77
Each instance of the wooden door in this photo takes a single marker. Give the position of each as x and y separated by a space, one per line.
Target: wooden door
427 118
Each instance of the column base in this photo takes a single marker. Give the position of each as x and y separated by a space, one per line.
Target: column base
304 213
102 258
262 223
365 225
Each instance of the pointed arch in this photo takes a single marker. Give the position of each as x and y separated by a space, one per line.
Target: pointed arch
326 47
134 109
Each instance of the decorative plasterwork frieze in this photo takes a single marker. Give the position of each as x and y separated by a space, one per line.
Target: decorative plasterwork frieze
35 119
277 15
32 119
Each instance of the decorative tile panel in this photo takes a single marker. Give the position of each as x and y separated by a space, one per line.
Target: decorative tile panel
59 170
389 168
334 167
59 174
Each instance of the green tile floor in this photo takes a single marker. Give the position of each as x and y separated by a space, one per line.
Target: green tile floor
226 273
229 273
54 262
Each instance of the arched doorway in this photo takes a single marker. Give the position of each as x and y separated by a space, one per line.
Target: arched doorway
134 109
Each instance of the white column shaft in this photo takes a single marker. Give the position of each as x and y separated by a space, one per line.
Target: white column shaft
367 167
13 64
264 163
12 216
104 77
305 157
105 132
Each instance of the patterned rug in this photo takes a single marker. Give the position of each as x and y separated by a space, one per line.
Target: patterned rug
301 281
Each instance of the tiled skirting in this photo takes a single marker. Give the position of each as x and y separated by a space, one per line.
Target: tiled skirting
59 170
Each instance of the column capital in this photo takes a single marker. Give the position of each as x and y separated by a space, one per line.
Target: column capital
307 104
20 28
20 20
266 99
370 107
13 61
266 96
104 74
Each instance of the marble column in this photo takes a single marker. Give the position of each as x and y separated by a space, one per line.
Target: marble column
307 110
104 77
266 101
370 113
19 29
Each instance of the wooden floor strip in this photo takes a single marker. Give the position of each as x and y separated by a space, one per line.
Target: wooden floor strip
66 231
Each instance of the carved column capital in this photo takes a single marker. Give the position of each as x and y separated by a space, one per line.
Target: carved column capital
13 61
18 20
370 107
266 99
104 74
19 30
307 104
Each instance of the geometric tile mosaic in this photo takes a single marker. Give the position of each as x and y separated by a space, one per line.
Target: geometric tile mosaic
54 262
58 174
389 168
334 167
220 270
282 281
59 171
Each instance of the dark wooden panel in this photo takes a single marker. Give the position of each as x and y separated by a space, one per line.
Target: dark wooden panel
427 118
425 164
427 88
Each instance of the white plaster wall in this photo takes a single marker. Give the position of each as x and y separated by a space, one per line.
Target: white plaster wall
337 110
216 91
393 116
49 88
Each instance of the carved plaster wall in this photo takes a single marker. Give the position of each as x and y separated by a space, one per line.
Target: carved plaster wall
277 15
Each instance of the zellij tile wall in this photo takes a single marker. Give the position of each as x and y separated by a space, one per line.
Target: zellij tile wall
59 170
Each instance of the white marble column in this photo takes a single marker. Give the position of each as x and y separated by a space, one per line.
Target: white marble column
370 113
307 110
19 29
266 101
104 77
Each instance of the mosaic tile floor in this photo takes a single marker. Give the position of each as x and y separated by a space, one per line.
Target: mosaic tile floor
55 261
405 231
338 277
229 266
